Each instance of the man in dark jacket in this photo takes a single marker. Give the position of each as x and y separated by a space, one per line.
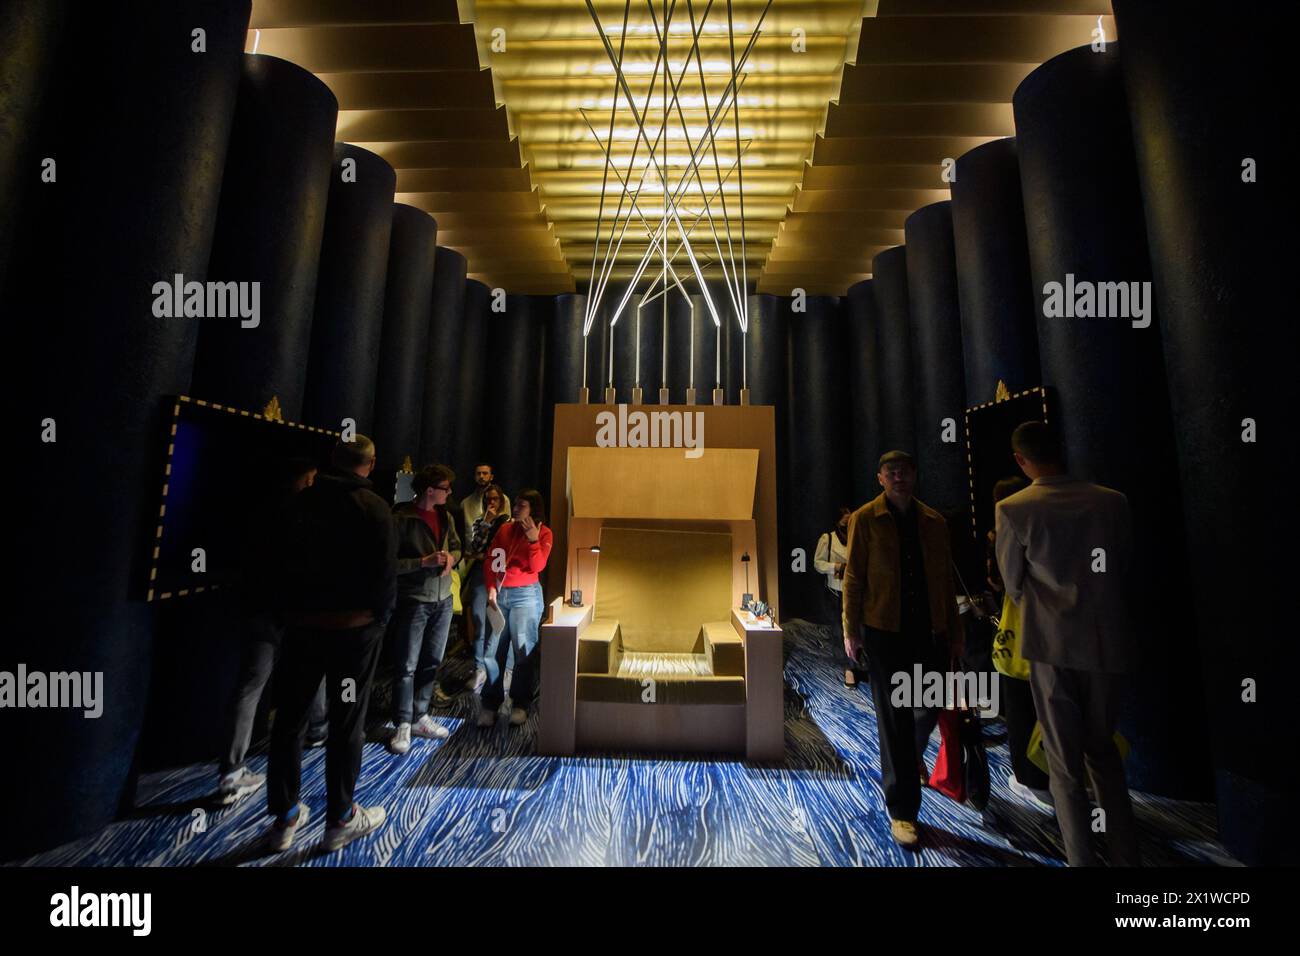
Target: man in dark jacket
427 549
339 593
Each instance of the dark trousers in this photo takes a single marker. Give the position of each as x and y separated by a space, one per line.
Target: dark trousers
1021 717
1078 711
310 654
262 637
904 731
420 644
832 615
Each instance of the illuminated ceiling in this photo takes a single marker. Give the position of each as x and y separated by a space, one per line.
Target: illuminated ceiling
486 110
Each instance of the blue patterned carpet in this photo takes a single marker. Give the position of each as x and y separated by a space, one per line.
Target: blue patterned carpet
483 798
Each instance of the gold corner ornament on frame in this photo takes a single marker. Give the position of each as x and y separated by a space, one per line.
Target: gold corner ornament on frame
1002 393
272 411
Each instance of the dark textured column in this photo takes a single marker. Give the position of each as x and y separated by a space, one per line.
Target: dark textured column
138 125
864 390
403 348
817 444
894 339
1084 219
564 350
29 40
999 332
345 333
269 231
938 378
708 343
561 371
438 424
768 359
680 323
475 382
624 335
511 441
1196 116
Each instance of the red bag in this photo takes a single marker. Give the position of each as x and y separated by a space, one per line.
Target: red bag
949 777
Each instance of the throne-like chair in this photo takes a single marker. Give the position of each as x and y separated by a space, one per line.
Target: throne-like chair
659 655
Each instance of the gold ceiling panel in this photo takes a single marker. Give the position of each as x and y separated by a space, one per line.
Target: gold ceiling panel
847 109
556 79
411 88
929 80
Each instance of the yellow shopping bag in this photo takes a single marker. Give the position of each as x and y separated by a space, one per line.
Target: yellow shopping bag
1038 755
1006 643
456 607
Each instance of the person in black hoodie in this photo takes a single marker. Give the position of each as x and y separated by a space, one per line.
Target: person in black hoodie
262 629
427 549
340 589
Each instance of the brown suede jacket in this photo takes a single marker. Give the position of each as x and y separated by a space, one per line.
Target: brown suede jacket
871 577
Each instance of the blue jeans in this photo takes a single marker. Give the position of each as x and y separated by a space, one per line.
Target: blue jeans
478 618
522 608
420 640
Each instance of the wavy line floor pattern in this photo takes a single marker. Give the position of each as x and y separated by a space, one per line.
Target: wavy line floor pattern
483 798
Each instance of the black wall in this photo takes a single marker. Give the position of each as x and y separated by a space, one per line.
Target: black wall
346 331
1084 217
90 354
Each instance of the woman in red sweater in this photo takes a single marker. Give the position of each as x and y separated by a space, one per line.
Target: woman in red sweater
515 556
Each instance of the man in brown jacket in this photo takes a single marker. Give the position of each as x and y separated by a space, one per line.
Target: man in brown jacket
901 605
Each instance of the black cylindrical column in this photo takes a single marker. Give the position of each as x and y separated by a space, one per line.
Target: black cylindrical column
711 363
861 320
511 441
476 383
269 228
1202 123
1087 250
624 336
894 340
564 350
767 345
137 125
30 31
438 424
348 324
938 379
817 445
999 331
403 348
683 338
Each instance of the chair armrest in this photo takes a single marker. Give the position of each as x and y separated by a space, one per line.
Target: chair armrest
764 690
558 640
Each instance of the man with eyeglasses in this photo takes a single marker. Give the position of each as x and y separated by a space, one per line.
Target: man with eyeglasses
428 547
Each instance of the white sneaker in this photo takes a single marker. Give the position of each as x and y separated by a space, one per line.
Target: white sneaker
279 838
486 717
364 820
426 728
1042 798
518 716
505 681
401 740
237 784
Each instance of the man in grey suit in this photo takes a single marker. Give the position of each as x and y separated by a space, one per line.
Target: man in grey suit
1063 548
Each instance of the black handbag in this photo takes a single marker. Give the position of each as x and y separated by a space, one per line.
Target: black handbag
975 762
